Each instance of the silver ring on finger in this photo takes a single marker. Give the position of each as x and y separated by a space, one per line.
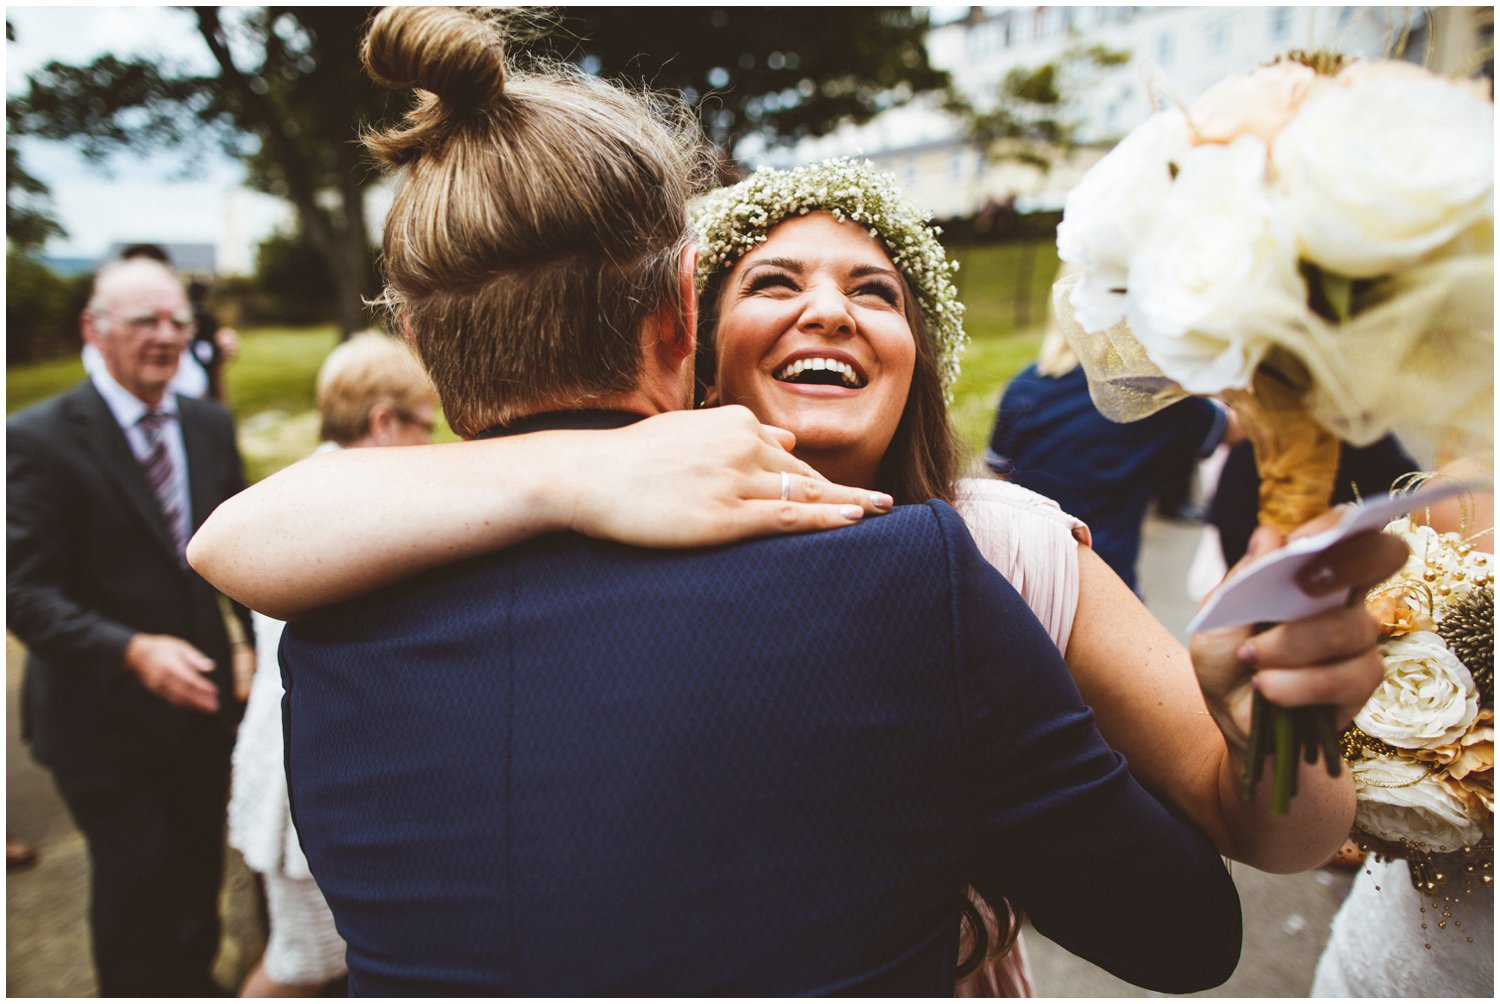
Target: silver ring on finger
786 486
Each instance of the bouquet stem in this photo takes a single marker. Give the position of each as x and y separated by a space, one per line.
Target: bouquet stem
1298 461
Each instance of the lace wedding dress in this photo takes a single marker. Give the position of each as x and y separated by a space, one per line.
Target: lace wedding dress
1386 940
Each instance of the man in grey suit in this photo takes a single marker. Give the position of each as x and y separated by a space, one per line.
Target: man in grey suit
129 696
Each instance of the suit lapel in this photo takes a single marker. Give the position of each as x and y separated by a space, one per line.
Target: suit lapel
203 458
101 437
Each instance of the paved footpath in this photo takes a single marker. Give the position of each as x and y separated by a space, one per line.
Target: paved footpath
1286 916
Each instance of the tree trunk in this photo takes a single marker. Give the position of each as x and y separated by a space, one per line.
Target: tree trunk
347 267
341 242
1025 261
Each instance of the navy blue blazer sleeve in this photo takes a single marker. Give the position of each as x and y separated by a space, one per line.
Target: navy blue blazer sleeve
1065 832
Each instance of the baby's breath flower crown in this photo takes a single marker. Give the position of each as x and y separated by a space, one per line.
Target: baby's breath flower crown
735 219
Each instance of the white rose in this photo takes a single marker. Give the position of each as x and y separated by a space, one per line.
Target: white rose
1384 168
1217 277
1110 211
1427 698
1398 800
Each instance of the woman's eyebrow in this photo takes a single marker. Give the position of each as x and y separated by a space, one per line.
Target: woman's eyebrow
860 271
794 265
790 264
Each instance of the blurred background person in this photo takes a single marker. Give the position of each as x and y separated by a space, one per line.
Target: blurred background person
209 346
1364 472
1049 437
371 391
128 695
1392 938
213 344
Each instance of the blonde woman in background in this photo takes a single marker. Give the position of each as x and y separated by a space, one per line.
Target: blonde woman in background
371 391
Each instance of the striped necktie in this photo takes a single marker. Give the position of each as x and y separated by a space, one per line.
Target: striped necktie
162 473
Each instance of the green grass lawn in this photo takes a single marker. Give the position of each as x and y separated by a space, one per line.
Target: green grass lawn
271 383
275 370
1005 327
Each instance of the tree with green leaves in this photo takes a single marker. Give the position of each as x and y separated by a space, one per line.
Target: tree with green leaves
780 74
289 96
1028 117
28 216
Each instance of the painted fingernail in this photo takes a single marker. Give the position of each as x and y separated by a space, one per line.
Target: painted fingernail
881 501
1246 653
1318 579
851 512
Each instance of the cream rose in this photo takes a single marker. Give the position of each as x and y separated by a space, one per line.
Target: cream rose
1397 800
1216 282
1427 699
1259 103
1384 168
1109 213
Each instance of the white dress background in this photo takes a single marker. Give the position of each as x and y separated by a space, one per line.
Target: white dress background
304 947
1378 948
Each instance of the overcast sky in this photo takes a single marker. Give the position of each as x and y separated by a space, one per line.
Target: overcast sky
138 199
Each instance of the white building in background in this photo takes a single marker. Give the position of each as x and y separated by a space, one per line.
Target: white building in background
251 218
1176 53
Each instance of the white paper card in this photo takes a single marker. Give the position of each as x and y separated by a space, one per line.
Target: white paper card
1267 590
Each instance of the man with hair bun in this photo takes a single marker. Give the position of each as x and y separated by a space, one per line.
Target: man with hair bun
581 768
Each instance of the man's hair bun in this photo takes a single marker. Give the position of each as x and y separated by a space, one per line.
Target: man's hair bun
444 50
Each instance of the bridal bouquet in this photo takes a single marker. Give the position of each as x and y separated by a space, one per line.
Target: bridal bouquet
1313 242
1422 750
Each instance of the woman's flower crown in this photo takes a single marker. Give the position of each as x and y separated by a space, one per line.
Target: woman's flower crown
735 219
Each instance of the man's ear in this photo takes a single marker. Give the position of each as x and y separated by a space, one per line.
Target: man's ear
677 324
88 327
385 424
687 291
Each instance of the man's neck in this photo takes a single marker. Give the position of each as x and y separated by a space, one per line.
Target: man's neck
119 396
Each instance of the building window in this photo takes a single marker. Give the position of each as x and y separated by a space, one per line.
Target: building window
1164 49
1281 23
979 164
1218 37
911 174
956 167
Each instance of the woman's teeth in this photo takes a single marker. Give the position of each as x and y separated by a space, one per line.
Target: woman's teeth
816 369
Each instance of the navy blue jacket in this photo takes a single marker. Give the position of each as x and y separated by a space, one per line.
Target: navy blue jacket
581 768
1049 437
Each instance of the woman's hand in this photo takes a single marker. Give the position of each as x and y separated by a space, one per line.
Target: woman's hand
1327 659
341 524
700 478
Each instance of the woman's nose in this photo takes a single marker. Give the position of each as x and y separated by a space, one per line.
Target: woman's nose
827 311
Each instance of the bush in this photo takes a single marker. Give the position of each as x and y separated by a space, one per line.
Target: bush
41 310
291 286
